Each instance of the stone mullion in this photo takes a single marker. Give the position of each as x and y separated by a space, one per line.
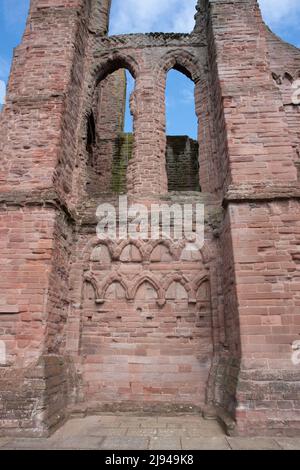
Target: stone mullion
146 169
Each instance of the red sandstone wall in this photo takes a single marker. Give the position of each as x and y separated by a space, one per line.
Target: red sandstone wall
145 332
256 131
260 239
266 252
63 312
285 66
31 132
26 253
37 133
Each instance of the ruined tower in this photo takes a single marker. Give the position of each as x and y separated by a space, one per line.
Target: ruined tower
92 325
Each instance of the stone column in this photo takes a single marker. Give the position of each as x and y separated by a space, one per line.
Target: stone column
147 171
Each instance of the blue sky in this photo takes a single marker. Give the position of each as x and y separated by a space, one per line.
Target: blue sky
283 16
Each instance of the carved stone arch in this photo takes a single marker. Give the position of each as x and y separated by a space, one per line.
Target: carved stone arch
198 281
151 246
155 283
125 243
205 252
93 243
114 277
177 277
182 61
104 65
183 281
110 63
190 252
89 279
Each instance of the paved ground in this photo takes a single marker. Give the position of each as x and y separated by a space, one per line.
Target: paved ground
141 433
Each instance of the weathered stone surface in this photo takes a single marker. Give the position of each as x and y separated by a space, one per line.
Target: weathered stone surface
197 443
89 326
145 433
240 443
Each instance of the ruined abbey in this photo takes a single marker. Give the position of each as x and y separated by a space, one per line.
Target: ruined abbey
90 325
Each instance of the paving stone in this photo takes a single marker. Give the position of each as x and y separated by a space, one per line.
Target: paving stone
77 426
28 443
129 422
125 443
3 441
149 422
84 443
171 432
211 431
165 443
179 420
144 432
202 443
109 420
156 433
201 429
288 443
245 443
109 432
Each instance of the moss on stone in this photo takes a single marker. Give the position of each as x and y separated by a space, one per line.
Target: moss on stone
122 155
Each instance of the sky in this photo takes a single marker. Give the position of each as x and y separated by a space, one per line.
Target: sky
282 16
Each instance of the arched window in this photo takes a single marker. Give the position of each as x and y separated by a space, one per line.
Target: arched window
109 138
182 151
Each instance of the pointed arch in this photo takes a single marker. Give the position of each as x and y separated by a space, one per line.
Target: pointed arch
125 243
115 277
151 279
182 61
93 243
89 279
201 279
110 63
186 254
177 277
183 281
173 251
100 254
198 280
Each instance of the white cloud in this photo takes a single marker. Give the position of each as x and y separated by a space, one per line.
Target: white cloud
178 15
160 15
2 92
152 15
277 11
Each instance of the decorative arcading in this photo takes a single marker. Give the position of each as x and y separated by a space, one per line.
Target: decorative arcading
146 249
161 286
151 279
119 249
112 278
